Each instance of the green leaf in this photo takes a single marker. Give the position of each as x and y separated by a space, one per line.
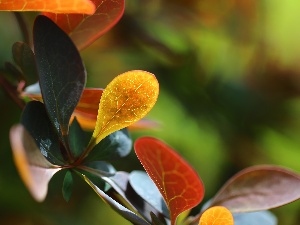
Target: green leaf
32 166
114 146
259 188
78 139
67 186
255 218
25 59
62 74
123 211
36 121
145 187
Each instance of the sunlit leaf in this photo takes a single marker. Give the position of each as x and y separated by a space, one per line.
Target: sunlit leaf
255 218
33 168
55 6
259 188
62 75
67 186
145 187
25 59
178 183
114 146
35 119
84 29
126 213
217 215
125 100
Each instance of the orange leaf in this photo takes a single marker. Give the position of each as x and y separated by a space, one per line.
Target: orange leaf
217 215
84 29
54 6
177 181
125 100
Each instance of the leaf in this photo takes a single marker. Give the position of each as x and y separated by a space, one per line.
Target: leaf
33 168
255 218
127 99
145 187
178 183
62 74
114 146
78 139
124 212
67 186
55 6
217 215
25 59
35 119
259 188
84 29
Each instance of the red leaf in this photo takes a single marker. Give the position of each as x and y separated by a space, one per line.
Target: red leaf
54 6
178 183
259 188
84 29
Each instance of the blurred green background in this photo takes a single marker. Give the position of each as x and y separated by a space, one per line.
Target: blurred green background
229 77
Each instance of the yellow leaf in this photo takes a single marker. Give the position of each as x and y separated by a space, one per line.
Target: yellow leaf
217 215
127 99
55 6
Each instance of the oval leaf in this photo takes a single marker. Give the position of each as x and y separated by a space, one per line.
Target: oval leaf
125 100
33 168
114 146
178 183
259 188
126 213
25 59
217 215
55 6
62 75
84 29
67 185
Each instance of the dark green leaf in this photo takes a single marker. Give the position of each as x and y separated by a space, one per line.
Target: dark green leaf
67 186
62 74
123 211
114 146
144 187
24 57
78 139
156 220
255 218
36 121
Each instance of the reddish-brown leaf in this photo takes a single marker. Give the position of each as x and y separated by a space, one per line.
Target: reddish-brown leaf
84 29
177 181
259 188
54 6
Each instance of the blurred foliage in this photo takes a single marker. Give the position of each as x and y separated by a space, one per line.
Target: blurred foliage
230 83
